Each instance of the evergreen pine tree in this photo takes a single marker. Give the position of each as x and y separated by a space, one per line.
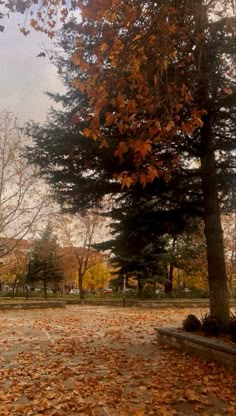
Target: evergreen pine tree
44 264
82 171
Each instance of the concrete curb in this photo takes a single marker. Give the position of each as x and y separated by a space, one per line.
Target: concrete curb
201 347
32 305
190 303
182 303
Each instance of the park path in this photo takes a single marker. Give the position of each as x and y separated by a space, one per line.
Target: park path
98 361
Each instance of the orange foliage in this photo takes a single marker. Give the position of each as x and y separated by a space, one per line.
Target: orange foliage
130 59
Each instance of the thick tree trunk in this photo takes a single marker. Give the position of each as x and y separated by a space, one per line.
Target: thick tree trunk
45 289
14 287
81 290
170 273
171 276
217 278
168 281
140 289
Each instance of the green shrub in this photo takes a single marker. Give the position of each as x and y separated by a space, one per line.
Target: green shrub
211 325
191 323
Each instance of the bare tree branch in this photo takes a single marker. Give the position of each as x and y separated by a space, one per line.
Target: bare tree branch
23 196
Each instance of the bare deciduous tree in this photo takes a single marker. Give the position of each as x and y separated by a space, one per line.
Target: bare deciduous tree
23 196
79 232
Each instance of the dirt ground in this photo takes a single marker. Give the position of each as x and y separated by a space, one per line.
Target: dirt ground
104 361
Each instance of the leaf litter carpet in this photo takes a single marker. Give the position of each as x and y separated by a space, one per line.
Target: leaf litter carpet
98 361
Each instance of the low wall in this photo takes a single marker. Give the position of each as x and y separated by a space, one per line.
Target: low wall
21 303
32 305
202 347
171 303
141 304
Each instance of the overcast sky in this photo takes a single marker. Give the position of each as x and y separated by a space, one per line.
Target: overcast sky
23 76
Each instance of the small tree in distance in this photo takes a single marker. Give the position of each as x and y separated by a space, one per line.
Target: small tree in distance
97 277
45 262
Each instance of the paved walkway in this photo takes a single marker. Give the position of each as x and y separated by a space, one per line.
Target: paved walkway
97 361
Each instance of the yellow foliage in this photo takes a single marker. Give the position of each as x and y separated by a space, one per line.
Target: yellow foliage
15 266
97 276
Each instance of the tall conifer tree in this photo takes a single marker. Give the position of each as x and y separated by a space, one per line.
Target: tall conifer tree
156 91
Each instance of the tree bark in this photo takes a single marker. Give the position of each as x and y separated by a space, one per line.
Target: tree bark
45 289
140 289
80 281
14 287
169 283
169 280
217 278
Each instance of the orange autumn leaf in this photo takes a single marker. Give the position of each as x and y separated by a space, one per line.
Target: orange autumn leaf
132 106
126 182
172 28
121 101
104 46
170 126
143 179
110 119
152 173
142 147
76 58
79 84
154 129
198 122
122 148
87 132
136 37
187 127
